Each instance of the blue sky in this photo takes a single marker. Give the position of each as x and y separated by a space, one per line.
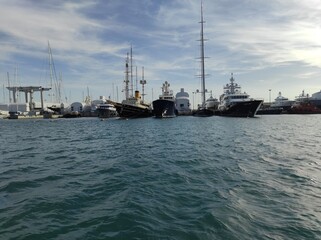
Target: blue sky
273 44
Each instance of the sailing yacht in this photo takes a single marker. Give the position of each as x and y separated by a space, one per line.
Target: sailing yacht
56 102
202 111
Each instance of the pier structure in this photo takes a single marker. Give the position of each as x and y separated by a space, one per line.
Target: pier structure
28 90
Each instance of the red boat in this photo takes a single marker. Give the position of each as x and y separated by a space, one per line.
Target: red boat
304 108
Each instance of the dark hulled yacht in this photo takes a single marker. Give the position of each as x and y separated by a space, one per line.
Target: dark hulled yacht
234 103
132 106
165 105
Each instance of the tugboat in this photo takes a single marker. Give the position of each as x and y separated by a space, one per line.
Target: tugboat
164 107
132 106
234 103
202 111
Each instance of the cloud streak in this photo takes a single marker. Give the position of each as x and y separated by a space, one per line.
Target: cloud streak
254 39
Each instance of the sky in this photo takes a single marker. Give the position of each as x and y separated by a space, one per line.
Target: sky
270 46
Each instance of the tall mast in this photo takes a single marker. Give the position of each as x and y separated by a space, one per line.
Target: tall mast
127 78
53 77
50 70
4 94
202 56
136 80
59 87
131 70
9 86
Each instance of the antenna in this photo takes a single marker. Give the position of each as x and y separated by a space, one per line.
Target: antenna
143 82
127 78
9 87
116 93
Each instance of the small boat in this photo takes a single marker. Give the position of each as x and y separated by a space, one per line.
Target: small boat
234 103
203 112
47 113
14 115
72 114
4 114
164 107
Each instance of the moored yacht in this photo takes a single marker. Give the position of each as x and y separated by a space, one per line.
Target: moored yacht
234 103
164 107
132 106
212 103
282 102
182 103
106 110
202 111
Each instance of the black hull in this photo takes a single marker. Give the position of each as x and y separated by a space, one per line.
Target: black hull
241 109
71 115
203 113
57 110
129 111
164 108
269 111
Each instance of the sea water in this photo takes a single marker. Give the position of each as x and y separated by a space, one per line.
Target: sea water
180 178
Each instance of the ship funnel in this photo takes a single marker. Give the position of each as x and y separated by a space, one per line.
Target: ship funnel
137 94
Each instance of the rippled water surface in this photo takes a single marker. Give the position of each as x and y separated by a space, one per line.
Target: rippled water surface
181 178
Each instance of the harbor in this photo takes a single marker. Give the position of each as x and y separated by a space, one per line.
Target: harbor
232 103
180 120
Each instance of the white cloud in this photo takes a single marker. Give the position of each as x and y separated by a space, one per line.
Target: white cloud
90 39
